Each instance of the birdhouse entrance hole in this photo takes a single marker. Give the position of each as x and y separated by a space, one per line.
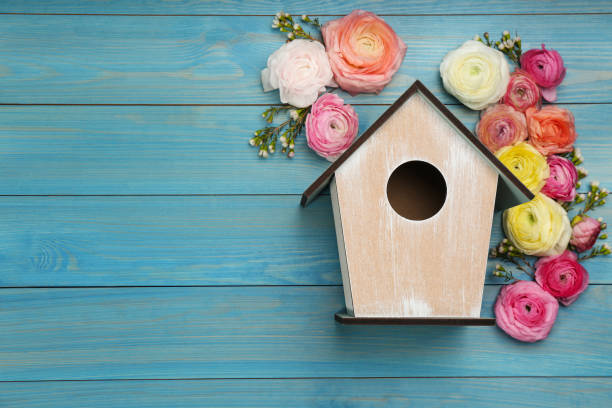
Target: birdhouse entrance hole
416 190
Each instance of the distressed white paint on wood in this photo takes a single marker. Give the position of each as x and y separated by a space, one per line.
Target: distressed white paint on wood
404 268
346 281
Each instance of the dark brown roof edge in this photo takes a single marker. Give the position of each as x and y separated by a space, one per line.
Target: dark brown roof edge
506 175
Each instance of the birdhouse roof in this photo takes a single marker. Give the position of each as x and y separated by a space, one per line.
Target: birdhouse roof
510 190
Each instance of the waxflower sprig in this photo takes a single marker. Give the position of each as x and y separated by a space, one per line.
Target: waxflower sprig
285 23
285 133
506 44
303 69
536 143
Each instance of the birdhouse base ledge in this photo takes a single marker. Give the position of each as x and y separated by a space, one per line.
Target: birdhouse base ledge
345 318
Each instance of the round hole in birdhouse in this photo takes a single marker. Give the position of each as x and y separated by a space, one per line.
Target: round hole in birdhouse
416 190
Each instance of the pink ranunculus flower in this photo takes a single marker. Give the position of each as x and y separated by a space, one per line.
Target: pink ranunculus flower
500 126
551 129
561 184
300 70
364 51
331 126
522 92
547 69
562 276
525 311
585 231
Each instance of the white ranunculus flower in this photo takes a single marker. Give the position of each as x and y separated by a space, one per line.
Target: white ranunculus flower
300 70
475 74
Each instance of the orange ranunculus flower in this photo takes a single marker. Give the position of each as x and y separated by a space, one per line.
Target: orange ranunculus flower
551 129
363 50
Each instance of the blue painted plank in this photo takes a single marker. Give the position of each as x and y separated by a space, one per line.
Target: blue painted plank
272 332
110 241
329 393
188 150
313 7
128 59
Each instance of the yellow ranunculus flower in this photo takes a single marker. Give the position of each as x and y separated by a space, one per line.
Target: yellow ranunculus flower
539 227
475 74
526 163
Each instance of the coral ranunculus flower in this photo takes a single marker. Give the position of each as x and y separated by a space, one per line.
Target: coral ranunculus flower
551 129
501 126
525 311
363 50
526 163
539 227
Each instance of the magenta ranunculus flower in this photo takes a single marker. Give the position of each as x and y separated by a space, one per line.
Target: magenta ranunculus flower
331 126
562 276
500 126
547 69
522 92
525 311
363 50
561 184
585 231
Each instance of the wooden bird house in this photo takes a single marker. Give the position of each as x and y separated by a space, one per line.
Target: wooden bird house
413 201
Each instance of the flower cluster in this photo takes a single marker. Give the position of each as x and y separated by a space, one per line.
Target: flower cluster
536 143
359 53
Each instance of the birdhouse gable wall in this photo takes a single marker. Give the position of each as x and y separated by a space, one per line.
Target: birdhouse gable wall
400 267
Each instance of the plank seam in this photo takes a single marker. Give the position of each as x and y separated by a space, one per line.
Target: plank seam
313 15
331 285
238 104
299 378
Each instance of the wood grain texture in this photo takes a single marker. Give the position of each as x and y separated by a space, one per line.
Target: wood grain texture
213 332
213 60
405 268
314 7
189 150
118 241
324 393
267 332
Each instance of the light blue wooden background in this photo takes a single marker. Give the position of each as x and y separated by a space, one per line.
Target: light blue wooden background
148 258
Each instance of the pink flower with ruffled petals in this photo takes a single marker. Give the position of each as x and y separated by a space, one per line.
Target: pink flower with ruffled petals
500 126
547 69
525 311
561 184
331 126
585 231
562 276
363 50
522 92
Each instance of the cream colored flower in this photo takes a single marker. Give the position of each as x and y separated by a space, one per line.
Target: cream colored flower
526 163
539 227
300 70
475 74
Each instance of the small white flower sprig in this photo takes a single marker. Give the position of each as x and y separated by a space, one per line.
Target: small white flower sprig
506 44
285 23
594 197
266 139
